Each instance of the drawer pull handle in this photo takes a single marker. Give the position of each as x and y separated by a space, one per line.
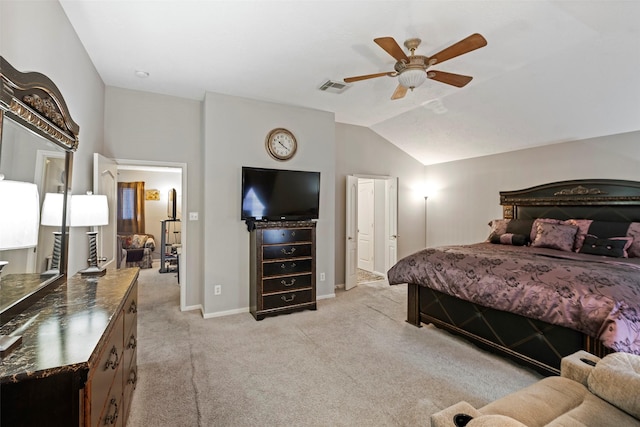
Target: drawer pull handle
111 419
113 364
133 308
133 378
133 342
283 265
286 252
285 299
284 282
293 234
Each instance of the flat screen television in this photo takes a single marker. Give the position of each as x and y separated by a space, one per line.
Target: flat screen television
276 195
172 204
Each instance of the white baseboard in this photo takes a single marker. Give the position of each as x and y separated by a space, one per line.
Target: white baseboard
225 313
325 296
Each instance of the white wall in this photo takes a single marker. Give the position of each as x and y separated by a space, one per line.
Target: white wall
467 190
235 131
37 36
359 150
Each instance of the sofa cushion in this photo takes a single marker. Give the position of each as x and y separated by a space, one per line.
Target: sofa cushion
138 241
594 411
494 421
616 379
540 403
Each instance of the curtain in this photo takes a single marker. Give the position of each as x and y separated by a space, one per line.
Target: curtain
131 207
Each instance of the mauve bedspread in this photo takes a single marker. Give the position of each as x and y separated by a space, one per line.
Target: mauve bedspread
598 296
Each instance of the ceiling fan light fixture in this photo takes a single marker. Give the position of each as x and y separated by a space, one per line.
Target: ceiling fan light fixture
412 77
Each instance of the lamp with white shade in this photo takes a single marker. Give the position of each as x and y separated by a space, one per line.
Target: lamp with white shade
90 210
19 216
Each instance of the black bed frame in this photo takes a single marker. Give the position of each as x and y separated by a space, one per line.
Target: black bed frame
534 343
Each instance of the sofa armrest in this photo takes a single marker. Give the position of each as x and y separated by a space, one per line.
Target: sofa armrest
575 368
445 418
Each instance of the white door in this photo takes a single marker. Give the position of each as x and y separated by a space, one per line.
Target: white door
105 181
351 224
391 223
366 224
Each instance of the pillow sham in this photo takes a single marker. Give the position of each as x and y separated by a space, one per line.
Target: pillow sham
555 236
583 229
498 226
614 247
534 227
634 233
510 239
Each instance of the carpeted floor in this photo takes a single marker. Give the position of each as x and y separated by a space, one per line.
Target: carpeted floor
353 362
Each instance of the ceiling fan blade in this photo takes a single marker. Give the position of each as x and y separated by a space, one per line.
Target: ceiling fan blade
473 42
368 76
400 92
392 48
457 80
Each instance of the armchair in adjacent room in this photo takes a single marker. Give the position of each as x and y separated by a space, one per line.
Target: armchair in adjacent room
135 250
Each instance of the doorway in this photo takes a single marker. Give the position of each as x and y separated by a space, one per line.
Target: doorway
160 178
371 227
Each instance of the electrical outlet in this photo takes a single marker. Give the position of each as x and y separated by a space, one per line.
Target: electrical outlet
193 216
217 289
322 277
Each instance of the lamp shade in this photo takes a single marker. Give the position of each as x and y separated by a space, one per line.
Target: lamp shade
88 210
52 209
412 77
19 215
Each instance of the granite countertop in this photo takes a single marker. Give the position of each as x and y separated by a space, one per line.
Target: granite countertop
61 331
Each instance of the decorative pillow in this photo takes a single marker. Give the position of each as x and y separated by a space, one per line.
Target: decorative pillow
126 241
634 233
583 229
498 226
520 226
137 241
534 227
510 239
555 236
616 379
607 229
613 247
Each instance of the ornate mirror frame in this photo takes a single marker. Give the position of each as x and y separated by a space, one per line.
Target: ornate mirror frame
33 102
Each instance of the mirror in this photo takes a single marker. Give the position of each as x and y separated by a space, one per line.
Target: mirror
37 140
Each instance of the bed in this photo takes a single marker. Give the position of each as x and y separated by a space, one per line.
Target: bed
569 288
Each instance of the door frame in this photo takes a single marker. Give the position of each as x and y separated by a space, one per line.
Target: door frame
184 224
351 206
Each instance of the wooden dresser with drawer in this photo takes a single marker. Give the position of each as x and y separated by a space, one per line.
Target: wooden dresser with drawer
76 365
282 267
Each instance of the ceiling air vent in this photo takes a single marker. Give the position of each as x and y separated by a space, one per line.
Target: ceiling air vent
334 87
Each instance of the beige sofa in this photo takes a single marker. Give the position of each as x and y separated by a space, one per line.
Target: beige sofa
607 394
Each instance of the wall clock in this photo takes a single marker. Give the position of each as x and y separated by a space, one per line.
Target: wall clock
281 144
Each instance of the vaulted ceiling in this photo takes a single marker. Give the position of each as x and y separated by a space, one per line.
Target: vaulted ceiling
552 71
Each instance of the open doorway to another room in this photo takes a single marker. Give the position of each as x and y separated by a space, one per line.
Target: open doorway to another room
149 216
371 245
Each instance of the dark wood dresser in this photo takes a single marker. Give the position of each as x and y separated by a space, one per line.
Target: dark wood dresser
283 267
76 365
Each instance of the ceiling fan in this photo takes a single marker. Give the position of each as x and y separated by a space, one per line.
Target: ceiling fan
412 70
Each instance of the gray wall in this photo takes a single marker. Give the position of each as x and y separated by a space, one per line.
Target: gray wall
37 36
467 196
235 131
148 127
360 151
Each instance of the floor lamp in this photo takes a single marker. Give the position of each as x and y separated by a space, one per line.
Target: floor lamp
90 210
19 224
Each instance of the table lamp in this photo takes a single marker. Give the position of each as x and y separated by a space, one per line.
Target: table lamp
90 210
19 215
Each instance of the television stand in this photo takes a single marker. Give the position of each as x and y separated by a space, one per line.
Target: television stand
282 267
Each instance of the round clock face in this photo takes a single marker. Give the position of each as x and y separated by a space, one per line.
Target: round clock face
281 144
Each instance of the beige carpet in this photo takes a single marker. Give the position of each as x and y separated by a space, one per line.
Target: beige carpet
353 362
